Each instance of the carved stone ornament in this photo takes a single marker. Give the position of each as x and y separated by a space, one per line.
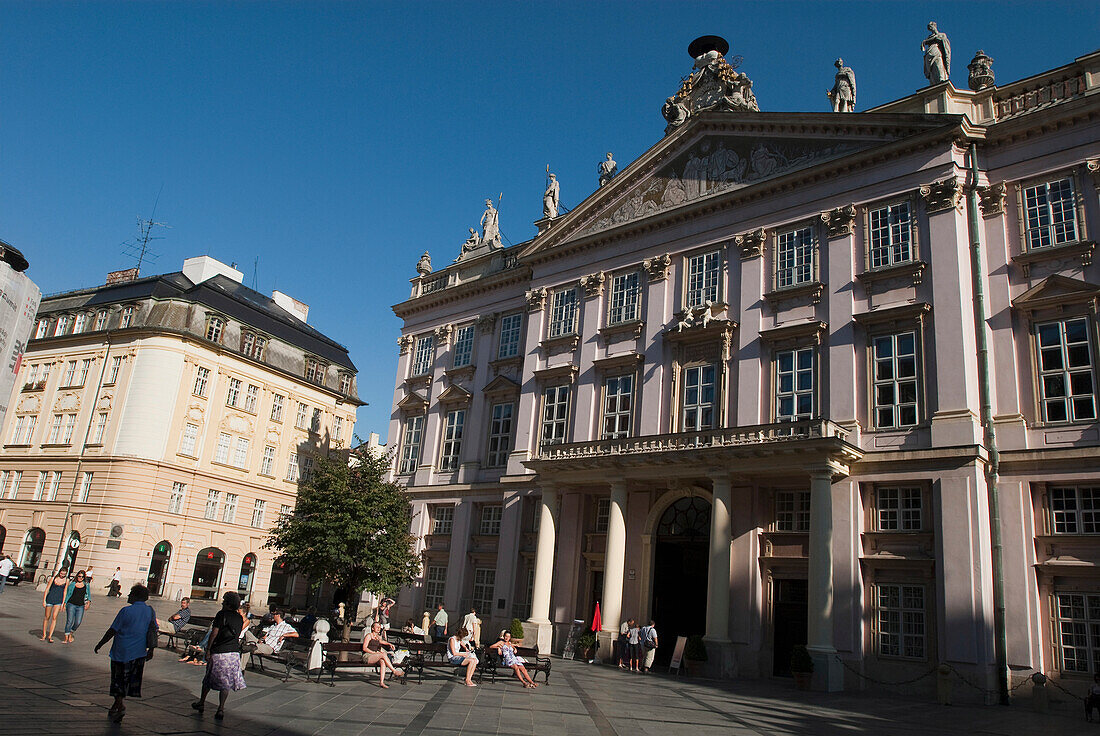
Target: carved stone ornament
981 71
593 284
1093 167
486 324
424 265
943 195
751 244
713 85
840 221
536 299
404 343
656 268
443 334
991 199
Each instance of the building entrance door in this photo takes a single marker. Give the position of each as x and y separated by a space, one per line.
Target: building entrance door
158 567
31 556
244 581
680 562
789 622
208 574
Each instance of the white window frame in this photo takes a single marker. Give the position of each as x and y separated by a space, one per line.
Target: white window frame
603 515
618 406
100 428
703 279
624 303
484 590
555 414
70 374
116 366
258 507
79 321
176 498
901 620
1045 222
277 401
1074 509
301 419
1060 369
202 382
890 238
443 518
61 327
424 355
221 451
795 257
215 328
15 477
462 354
55 486
240 452
453 429
100 320
213 498
229 508
85 486
501 418
511 334
67 430
699 414
795 384
792 511
491 516
435 582
411 441
189 440
251 398
267 462
564 307
233 393
293 470
127 317
899 509
890 376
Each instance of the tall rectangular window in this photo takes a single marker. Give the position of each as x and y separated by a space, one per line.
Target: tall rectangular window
603 515
794 258
67 430
315 420
490 520
221 452
315 371
69 378
1075 509
40 485
215 327
116 366
625 298
899 509
188 440
794 385
307 468
252 345
792 511
890 233
895 380
285 511
127 317
301 420
101 320
703 274
1067 390
267 463
1051 214
251 397
15 477
435 580
555 414
699 398
258 513
54 438
345 383
500 435
464 346
618 404
100 428
484 580
337 428
240 452
452 439
563 313
202 380
277 407
229 510
212 498
85 366
62 325
425 351
42 330
1078 620
410 445
900 619
293 471
233 394
79 322
511 329
23 432
85 486
443 518
175 499
55 486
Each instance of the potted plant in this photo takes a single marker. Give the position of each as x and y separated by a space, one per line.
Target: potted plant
802 667
586 644
516 630
695 653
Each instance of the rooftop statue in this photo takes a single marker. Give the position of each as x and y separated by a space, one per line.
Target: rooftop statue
843 93
713 85
937 55
550 198
471 242
424 265
607 169
490 225
981 71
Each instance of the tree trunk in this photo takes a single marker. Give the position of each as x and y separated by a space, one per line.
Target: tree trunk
351 610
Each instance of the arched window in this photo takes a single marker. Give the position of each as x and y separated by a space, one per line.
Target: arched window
208 573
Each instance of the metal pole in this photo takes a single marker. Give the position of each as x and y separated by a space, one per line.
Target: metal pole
1000 636
83 449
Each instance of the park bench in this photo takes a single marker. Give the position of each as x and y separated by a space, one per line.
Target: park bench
401 638
294 652
492 665
341 655
191 633
434 656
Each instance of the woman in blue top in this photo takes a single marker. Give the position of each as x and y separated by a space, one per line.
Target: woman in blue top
130 630
78 598
52 600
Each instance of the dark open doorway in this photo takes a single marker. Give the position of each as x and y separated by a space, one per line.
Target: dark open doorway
788 622
158 567
680 561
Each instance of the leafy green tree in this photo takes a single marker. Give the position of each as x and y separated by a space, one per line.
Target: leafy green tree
349 528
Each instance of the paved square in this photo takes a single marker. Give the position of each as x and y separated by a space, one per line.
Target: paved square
59 688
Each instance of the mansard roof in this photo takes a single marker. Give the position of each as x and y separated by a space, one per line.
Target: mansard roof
219 293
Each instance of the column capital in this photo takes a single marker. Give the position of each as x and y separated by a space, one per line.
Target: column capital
617 485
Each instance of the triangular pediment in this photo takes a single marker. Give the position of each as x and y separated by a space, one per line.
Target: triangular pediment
1056 290
716 154
501 385
454 394
413 402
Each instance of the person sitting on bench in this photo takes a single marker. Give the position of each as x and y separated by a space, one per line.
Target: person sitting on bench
374 653
274 635
508 656
459 654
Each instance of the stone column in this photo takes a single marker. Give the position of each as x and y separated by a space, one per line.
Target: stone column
721 663
544 569
828 673
614 567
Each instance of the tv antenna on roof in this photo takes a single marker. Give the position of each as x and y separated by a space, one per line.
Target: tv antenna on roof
138 247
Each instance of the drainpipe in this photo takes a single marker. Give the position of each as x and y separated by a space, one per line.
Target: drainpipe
1000 637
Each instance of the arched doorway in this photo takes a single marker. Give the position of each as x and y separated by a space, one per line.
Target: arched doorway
208 574
71 548
248 571
277 586
3 536
158 567
31 555
680 561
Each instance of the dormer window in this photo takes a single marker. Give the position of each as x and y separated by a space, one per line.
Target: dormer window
252 345
62 325
101 320
78 323
215 328
43 329
127 317
315 371
345 383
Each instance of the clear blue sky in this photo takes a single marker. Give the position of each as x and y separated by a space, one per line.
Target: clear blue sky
338 141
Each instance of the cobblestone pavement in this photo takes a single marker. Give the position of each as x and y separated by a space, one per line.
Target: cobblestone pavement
59 688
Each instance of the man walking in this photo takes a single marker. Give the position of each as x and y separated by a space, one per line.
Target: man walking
439 628
5 569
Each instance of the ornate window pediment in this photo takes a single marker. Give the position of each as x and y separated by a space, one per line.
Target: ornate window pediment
1056 291
454 394
501 386
413 403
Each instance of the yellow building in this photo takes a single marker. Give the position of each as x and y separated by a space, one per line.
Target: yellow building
161 424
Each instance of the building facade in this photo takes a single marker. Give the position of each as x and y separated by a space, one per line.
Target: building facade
740 388
161 425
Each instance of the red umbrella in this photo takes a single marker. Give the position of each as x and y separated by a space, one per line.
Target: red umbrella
596 618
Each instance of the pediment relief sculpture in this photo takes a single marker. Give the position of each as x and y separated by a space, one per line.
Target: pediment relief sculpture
413 403
714 84
272 435
104 403
454 394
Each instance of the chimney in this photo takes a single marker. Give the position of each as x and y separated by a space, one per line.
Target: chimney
121 277
201 268
290 304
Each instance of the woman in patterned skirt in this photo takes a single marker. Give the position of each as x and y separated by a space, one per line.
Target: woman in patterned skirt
223 655
511 659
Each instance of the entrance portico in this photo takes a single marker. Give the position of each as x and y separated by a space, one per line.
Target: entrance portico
814 452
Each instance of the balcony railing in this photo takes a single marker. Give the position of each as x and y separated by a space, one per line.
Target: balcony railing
762 434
